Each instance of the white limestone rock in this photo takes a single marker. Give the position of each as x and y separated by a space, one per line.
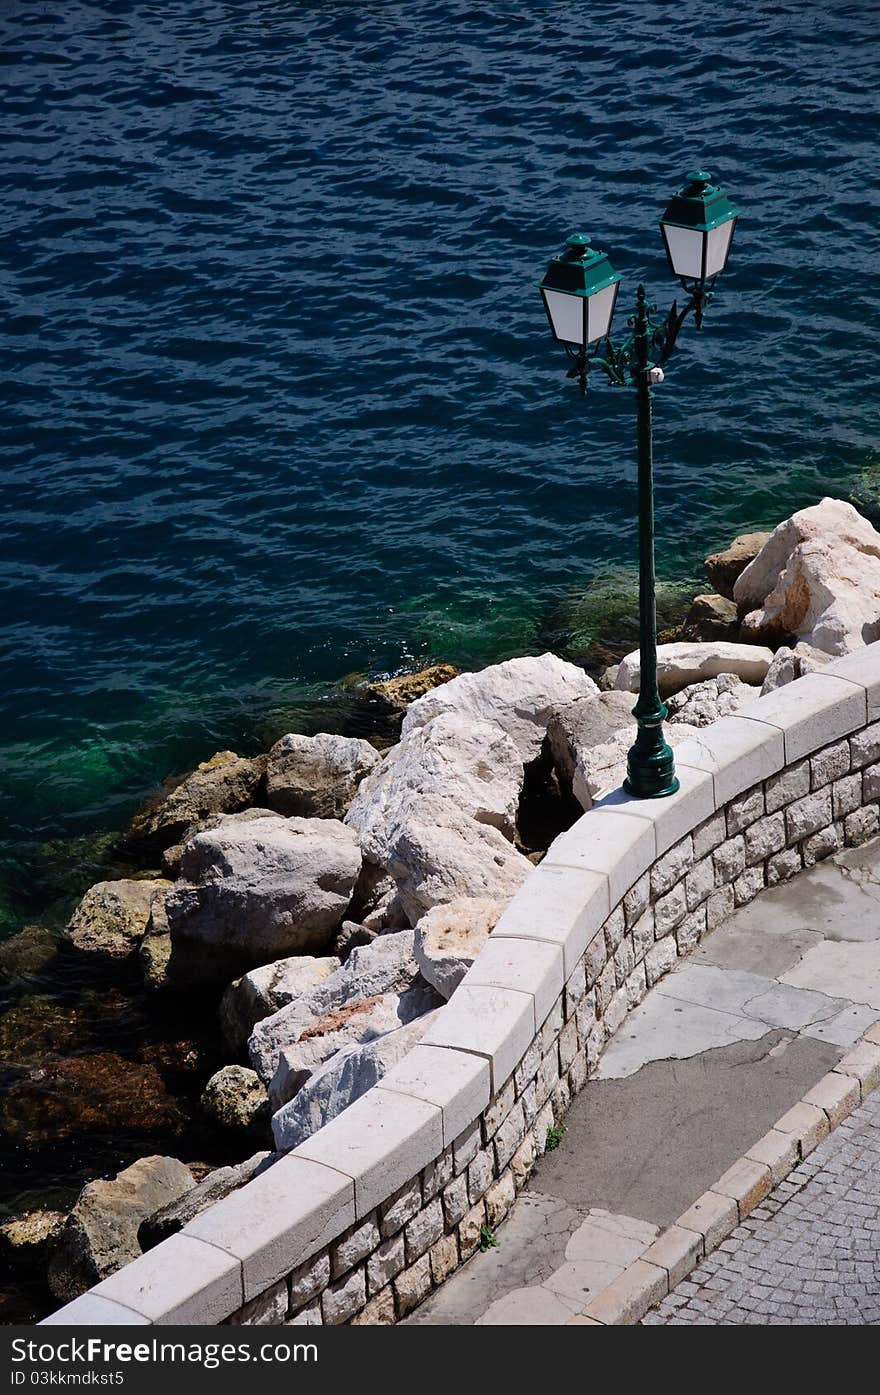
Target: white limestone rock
602 768
357 1021
518 695
260 887
264 990
583 724
470 764
387 965
817 578
317 776
789 664
449 938
341 1080
700 704
680 665
438 855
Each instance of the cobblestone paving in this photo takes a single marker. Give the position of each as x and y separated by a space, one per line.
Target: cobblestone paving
809 1255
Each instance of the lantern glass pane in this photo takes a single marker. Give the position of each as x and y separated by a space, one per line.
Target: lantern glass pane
566 315
718 247
685 250
600 307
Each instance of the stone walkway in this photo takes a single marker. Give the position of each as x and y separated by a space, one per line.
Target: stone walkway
810 1254
713 1056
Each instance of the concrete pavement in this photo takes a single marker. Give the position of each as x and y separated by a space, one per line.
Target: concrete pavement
713 1056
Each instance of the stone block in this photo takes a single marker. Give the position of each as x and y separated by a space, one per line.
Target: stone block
691 930
469 1229
354 1246
624 963
745 810
864 746
466 1146
700 883
677 1251
635 987
310 1316
643 934
575 989
765 837
387 1261
266 1310
608 842
829 764
729 860
528 966
846 795
436 1175
670 910
380 1141
497 1023
672 868
480 1174
379 1312
498 1109
790 784
746 887
413 1285
822 844
424 1230
871 783
808 815
660 959
499 1199
509 1137
444 1258
400 1207
675 815
719 906
783 865
183 1281
737 751
837 1095
308 1279
455 1082
637 899
523 1162
807 1123
709 834
862 666
614 929
713 1216
860 826
816 710
778 1151
559 904
342 1300
280 1218
747 1182
91 1311
455 1200
862 1062
628 1297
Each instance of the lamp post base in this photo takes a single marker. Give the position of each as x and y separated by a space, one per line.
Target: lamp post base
650 764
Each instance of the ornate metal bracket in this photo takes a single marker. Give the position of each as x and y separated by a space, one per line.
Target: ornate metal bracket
618 361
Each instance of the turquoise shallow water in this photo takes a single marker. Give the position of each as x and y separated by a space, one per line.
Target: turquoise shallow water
280 402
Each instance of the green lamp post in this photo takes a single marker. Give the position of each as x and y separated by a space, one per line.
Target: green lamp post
580 293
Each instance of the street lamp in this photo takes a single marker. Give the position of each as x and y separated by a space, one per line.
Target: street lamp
579 293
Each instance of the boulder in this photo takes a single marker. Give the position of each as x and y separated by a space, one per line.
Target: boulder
235 1100
220 1182
816 579
723 568
112 917
259 888
27 1242
789 664
405 688
357 1021
518 695
341 1080
710 617
587 722
101 1233
352 936
602 768
222 785
469 764
317 776
386 966
680 665
439 854
28 951
264 990
702 703
449 938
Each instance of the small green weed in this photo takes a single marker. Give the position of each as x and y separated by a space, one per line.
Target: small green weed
555 1135
488 1238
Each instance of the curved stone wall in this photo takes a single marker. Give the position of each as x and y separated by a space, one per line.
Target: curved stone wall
360 1222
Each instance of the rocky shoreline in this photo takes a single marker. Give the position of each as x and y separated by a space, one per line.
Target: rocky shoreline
324 899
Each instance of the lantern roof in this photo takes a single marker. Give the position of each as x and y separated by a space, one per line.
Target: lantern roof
580 270
699 205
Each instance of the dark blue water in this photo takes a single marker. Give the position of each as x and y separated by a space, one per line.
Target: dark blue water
280 401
